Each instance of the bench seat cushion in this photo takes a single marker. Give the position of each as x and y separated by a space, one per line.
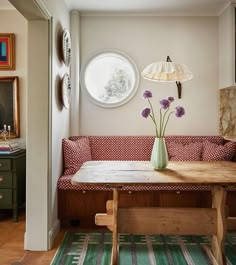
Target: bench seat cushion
64 183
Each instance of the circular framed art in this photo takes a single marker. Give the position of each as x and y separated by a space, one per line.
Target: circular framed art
66 47
110 78
66 91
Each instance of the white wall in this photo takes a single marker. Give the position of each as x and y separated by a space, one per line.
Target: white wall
13 22
146 39
36 237
226 54
60 117
48 121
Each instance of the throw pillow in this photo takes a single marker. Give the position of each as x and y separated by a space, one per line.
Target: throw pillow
214 152
188 152
75 154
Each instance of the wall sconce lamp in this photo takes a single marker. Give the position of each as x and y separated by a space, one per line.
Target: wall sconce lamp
168 72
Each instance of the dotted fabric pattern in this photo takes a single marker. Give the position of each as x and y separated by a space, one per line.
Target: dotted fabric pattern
136 148
64 183
188 152
75 154
214 152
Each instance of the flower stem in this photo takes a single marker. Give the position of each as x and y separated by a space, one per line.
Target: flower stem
166 123
160 121
153 116
163 122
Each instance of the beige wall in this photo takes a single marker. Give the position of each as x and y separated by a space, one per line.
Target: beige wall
226 54
48 121
13 22
146 39
59 116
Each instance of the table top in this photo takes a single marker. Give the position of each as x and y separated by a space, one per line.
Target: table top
118 173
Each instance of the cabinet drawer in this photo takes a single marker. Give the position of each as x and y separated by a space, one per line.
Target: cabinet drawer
5 197
5 164
5 180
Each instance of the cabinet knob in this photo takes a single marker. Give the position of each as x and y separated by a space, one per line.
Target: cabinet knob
1 179
84 191
0 164
130 192
178 192
1 196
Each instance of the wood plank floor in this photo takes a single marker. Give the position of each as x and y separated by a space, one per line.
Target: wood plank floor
12 243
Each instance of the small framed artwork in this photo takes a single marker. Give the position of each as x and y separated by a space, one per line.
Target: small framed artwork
9 104
7 51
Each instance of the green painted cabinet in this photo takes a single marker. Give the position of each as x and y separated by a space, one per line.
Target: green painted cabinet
12 181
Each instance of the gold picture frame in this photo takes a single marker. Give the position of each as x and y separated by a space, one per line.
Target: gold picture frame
7 51
9 105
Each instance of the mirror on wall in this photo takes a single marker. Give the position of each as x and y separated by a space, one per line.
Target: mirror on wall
9 105
110 78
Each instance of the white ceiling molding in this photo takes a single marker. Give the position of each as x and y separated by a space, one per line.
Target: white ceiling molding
226 5
143 14
149 7
142 8
6 5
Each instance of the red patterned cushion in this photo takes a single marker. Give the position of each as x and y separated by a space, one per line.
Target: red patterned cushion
188 152
75 154
120 147
64 183
214 152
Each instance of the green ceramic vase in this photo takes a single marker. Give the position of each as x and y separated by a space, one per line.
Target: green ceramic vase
159 157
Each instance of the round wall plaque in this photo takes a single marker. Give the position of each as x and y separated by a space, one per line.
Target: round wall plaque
66 91
66 47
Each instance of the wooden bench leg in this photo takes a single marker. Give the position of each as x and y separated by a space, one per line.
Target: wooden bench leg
218 202
115 244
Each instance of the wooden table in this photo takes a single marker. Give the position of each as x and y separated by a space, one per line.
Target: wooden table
152 220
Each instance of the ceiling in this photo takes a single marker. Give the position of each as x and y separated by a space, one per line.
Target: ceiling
158 7
5 5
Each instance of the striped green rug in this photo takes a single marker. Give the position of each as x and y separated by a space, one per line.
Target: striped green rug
95 249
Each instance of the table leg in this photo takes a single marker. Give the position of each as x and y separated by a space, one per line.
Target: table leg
218 202
115 244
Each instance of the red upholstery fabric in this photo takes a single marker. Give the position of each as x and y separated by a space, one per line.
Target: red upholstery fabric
120 147
130 148
64 183
135 147
214 152
75 154
187 152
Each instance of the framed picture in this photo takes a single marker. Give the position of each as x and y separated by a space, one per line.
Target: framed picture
9 105
7 51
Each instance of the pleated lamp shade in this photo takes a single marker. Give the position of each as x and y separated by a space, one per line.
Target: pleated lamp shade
167 72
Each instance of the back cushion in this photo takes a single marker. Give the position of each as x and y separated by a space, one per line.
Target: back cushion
120 147
135 147
187 152
192 139
214 152
75 154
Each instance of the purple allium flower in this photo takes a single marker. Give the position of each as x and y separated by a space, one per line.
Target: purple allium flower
179 111
147 94
165 103
171 99
145 112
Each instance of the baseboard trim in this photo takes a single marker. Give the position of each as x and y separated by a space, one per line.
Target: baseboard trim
53 233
